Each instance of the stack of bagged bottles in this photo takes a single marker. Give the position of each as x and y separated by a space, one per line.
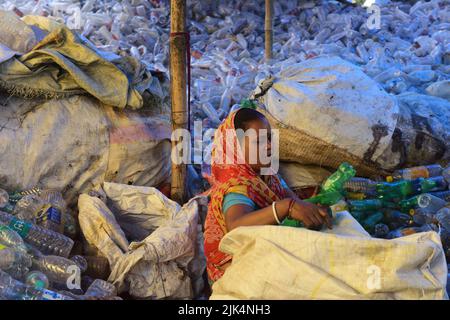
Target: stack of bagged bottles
36 245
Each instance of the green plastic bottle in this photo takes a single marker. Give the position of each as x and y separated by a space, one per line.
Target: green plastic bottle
365 205
326 198
336 181
404 188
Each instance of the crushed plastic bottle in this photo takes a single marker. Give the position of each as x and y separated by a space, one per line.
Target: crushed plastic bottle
102 289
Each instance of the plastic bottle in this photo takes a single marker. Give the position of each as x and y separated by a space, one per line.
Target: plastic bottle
425 201
325 198
98 267
57 269
361 185
101 288
443 217
365 205
380 230
359 215
13 289
422 216
446 174
416 172
408 231
14 260
336 181
372 220
403 188
37 280
46 241
10 238
53 215
396 219
28 207
444 195
81 262
4 198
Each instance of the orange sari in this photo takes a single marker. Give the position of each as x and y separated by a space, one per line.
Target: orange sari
227 172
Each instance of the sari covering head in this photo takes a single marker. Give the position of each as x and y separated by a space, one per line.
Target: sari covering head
228 169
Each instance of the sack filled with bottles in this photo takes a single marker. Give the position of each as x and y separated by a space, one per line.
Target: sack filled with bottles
38 255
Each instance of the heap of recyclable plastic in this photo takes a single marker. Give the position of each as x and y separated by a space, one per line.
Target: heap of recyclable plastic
412 200
36 251
405 48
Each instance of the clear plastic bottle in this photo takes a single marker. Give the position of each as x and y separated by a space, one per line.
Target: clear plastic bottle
446 174
81 262
37 279
101 288
12 260
57 269
416 172
98 267
45 240
12 289
361 185
444 195
10 238
28 207
443 217
4 198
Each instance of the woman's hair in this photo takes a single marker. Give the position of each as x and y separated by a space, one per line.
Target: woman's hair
244 116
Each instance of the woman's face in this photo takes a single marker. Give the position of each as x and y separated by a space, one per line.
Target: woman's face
256 144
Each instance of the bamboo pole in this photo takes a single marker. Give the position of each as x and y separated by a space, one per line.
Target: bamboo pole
268 30
178 46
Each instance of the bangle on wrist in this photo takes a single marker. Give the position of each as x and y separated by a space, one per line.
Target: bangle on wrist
291 205
274 211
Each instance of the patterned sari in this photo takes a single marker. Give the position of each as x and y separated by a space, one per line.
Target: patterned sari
227 172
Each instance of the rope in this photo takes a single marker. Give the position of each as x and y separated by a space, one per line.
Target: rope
188 60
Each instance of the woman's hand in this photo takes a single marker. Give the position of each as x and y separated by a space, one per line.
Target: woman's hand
312 216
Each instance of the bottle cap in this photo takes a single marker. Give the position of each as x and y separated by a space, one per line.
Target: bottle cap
389 179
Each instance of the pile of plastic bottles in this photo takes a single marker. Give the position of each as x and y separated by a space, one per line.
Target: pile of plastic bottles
407 52
36 231
411 200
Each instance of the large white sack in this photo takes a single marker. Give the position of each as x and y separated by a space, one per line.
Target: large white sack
74 143
273 262
422 134
336 102
148 239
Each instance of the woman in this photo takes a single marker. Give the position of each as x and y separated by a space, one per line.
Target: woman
240 195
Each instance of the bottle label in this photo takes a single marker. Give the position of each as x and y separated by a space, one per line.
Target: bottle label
2 247
418 172
51 295
49 213
21 227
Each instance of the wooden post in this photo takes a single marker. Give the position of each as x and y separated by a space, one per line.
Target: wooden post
178 46
268 30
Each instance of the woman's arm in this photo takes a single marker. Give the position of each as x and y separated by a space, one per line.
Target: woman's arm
243 215
312 216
